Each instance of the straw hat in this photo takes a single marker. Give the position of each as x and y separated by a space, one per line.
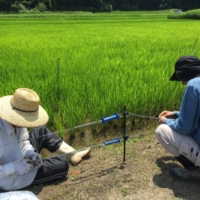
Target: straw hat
23 109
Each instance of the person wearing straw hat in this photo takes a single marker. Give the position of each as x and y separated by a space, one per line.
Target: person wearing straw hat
21 164
179 131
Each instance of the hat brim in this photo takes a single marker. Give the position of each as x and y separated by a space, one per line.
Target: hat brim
20 118
174 77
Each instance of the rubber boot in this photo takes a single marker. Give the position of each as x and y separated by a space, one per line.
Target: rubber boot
184 174
72 155
190 172
186 162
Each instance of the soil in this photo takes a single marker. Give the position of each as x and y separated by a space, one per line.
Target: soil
143 174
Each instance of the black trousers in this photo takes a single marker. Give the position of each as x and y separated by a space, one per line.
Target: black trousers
54 167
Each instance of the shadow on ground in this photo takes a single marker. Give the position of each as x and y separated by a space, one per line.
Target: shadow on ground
181 189
144 176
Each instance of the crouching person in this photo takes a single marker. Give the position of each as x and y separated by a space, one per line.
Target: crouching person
21 164
179 132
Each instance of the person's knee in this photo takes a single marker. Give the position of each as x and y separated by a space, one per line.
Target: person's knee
42 129
162 131
39 130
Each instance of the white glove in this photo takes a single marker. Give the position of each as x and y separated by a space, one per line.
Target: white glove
34 157
23 166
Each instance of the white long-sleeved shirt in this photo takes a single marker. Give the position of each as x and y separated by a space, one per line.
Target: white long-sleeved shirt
13 147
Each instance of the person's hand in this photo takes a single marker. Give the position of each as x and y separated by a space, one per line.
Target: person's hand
166 114
161 119
23 166
35 158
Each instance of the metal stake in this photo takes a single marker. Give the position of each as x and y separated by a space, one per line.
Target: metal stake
125 136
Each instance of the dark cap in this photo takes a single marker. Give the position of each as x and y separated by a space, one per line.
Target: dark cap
186 68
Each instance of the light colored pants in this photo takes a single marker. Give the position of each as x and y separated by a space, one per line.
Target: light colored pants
176 143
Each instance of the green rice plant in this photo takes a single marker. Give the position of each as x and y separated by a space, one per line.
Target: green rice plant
106 60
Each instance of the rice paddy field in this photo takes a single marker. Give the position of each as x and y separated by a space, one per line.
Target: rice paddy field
85 66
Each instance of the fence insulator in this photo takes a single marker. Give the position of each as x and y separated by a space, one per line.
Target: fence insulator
115 116
112 141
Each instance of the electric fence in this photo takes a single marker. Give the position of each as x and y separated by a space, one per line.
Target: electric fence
103 120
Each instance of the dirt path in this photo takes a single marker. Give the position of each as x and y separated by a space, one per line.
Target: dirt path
144 176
